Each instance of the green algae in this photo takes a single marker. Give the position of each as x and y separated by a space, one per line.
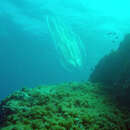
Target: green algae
68 106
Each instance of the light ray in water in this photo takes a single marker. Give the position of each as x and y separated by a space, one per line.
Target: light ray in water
67 43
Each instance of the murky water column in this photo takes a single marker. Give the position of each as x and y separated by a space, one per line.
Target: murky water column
70 48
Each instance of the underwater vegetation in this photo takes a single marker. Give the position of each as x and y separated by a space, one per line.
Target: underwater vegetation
68 106
113 71
68 45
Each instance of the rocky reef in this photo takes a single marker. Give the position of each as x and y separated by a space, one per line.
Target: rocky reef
68 106
113 71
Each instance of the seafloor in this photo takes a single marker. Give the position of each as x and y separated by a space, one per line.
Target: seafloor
68 106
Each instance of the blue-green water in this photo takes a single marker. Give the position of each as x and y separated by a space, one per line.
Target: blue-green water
31 55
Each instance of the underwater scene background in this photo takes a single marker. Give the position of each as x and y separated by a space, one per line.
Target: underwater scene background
28 52
64 65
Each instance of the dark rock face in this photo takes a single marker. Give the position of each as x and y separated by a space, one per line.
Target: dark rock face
113 70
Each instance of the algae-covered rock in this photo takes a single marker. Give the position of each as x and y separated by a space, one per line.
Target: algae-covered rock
68 106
